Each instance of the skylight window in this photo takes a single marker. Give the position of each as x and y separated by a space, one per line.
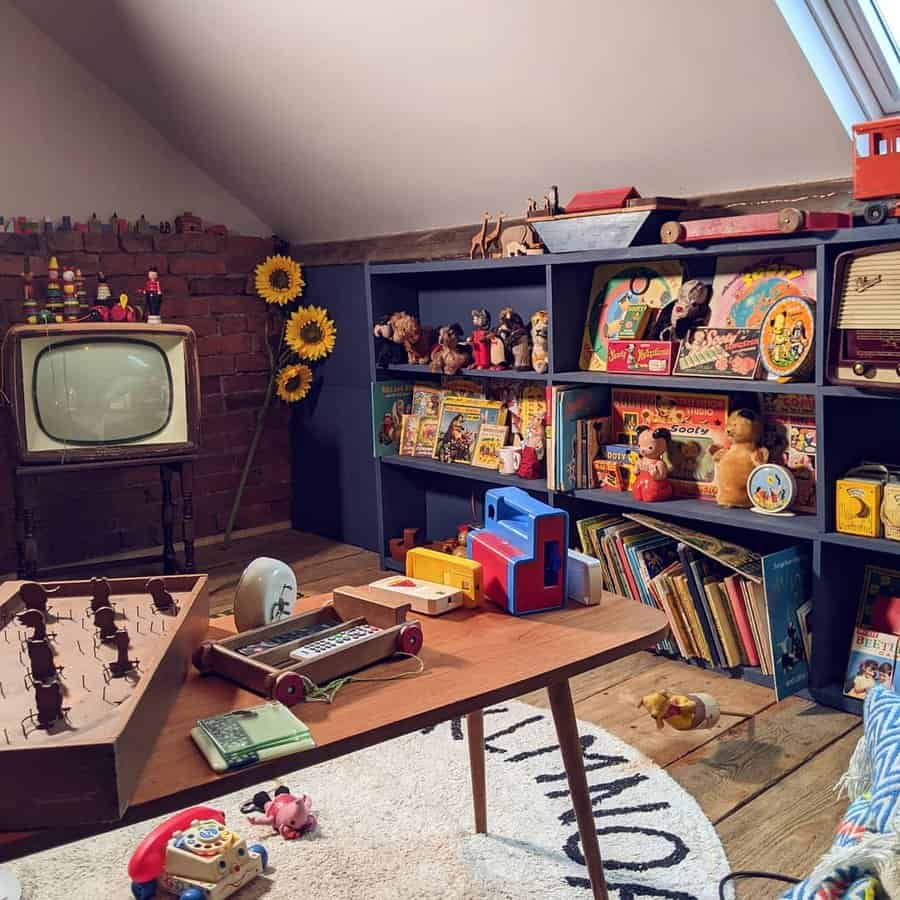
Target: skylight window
853 47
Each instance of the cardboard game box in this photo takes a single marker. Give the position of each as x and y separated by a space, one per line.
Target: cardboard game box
697 424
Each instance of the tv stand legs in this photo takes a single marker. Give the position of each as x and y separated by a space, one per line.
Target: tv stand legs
26 543
573 758
170 566
475 733
187 515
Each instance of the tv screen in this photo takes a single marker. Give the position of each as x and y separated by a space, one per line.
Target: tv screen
102 390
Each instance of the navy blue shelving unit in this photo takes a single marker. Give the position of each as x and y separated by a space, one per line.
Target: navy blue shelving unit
436 497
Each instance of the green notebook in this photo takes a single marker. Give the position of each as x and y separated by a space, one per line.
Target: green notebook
248 736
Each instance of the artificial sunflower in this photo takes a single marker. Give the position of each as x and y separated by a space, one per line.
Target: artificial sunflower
279 280
294 382
310 333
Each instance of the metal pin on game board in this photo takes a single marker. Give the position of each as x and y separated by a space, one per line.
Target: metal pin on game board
2 692
6 735
80 649
151 626
138 626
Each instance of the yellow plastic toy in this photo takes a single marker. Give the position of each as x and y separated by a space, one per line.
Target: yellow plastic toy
443 568
683 712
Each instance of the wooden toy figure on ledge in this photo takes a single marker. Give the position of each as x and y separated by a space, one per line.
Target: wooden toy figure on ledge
652 482
153 295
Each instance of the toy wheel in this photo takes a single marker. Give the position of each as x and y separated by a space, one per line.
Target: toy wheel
790 220
192 893
261 852
288 689
201 657
143 890
409 638
672 232
875 213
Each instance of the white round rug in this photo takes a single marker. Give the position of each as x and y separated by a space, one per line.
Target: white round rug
396 823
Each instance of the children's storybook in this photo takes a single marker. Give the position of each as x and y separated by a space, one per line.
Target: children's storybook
459 423
391 401
615 289
744 287
750 618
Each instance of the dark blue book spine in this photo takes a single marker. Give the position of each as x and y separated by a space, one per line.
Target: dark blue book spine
693 569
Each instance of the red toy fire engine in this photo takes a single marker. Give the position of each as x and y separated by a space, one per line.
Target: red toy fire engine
876 168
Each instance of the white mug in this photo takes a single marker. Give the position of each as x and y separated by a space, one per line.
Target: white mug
510 457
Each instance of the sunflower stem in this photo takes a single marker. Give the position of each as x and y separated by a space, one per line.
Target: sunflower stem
257 434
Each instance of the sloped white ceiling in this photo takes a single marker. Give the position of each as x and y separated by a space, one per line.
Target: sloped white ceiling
337 119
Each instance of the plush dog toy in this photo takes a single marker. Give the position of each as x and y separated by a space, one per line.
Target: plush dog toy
288 815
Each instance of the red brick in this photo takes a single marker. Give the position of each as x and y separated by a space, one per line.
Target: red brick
65 241
252 516
249 245
237 421
266 493
87 262
212 484
236 384
169 243
244 401
212 404
215 344
117 263
217 285
243 263
202 325
233 324
18 243
211 385
10 288
197 264
185 306
11 265
225 305
252 362
211 463
202 243
102 242
216 365
136 243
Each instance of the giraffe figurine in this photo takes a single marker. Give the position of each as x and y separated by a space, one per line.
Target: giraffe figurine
121 665
478 241
494 237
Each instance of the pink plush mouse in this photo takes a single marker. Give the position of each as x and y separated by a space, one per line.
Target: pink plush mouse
290 816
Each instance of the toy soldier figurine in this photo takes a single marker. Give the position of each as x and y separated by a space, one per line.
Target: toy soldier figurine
104 294
153 295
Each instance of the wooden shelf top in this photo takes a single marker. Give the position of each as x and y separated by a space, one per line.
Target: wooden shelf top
459 470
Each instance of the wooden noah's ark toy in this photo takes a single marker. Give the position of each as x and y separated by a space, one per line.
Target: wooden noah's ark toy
358 627
88 671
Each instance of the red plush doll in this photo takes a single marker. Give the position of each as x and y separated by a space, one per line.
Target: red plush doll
652 482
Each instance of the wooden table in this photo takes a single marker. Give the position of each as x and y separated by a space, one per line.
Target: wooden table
474 659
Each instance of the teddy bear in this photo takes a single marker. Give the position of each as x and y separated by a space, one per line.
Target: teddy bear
734 463
540 325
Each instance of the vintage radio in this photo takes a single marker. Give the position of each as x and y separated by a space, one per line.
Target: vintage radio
864 344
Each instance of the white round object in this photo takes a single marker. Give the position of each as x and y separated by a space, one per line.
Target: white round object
266 592
10 889
772 489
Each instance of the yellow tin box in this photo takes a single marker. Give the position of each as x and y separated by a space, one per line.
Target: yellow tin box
858 506
890 511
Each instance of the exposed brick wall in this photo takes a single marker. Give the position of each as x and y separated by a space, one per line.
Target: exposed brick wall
206 284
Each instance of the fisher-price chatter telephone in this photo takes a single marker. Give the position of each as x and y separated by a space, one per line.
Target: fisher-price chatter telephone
194 856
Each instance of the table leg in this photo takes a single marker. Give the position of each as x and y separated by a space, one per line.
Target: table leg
573 759
187 515
475 732
168 519
20 529
29 544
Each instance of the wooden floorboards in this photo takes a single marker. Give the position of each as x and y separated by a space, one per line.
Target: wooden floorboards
764 775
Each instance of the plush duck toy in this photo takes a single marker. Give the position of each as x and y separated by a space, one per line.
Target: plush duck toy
684 712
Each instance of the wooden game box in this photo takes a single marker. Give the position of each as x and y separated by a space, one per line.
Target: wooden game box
260 660
84 767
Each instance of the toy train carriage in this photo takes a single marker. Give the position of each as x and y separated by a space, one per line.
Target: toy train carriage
876 168
342 636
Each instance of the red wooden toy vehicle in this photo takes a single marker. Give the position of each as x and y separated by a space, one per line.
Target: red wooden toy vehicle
788 221
876 168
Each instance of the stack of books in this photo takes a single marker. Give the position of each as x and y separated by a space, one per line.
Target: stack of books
713 593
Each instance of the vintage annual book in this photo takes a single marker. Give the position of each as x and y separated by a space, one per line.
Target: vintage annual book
487 446
873 658
426 399
696 422
409 430
391 401
461 419
615 287
719 353
744 287
426 436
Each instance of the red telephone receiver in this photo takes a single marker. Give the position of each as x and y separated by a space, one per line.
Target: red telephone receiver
148 860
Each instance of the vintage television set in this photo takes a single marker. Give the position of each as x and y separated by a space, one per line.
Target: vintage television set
101 392
864 340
